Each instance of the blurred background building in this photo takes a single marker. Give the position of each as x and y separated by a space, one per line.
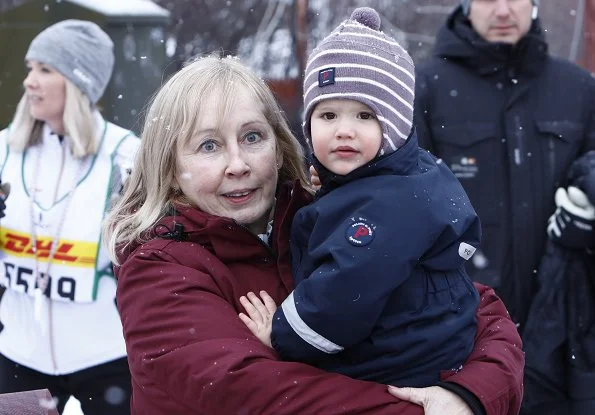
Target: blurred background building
274 37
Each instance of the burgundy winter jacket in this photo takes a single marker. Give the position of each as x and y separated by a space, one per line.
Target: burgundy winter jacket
189 353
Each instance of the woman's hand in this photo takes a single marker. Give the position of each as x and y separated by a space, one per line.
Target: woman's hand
434 399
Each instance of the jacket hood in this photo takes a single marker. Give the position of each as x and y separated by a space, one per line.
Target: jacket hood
458 41
399 162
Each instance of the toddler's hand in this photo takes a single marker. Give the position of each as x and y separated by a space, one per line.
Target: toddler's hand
315 178
259 318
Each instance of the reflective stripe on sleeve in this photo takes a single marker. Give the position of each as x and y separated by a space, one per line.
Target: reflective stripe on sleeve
304 331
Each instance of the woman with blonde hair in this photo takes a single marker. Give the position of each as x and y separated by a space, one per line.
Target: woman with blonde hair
204 219
60 328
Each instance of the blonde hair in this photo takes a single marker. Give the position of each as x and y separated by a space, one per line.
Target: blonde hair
172 118
80 125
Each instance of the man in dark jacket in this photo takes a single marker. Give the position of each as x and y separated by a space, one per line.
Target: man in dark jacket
508 119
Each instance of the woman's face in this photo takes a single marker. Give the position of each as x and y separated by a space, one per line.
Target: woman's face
46 92
229 168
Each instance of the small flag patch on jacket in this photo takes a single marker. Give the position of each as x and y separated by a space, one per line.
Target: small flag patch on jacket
359 233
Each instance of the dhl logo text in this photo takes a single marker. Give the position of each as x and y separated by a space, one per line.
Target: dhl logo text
73 253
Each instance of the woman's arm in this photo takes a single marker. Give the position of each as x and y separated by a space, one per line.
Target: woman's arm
494 370
185 340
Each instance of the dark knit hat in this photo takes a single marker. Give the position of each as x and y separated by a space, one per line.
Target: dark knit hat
359 62
80 51
467 3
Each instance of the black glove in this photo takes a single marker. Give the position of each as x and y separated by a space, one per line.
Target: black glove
4 191
582 174
572 223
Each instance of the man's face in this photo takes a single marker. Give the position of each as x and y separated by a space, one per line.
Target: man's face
505 21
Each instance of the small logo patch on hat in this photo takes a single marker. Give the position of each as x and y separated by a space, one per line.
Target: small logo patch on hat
82 76
326 77
360 233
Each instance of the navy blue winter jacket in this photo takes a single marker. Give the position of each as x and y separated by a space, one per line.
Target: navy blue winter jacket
378 260
508 121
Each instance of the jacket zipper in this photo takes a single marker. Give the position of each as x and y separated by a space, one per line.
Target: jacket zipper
519 135
270 250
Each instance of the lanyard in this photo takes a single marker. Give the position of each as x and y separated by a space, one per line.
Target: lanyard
42 278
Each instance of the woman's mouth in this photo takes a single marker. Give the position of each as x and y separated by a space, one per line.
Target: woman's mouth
239 196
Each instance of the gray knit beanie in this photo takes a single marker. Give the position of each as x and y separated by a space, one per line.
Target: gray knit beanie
357 61
467 3
80 51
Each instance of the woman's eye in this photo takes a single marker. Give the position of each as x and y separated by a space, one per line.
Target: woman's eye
253 137
40 68
208 146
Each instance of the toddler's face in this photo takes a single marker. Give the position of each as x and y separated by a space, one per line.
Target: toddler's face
345 134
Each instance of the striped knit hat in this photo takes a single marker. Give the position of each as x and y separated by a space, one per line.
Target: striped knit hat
467 4
357 61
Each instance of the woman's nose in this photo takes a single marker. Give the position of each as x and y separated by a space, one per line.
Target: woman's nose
237 164
30 80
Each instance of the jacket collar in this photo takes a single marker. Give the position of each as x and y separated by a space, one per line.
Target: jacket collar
228 240
458 41
399 162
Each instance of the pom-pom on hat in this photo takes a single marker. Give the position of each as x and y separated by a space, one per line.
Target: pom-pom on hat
80 51
357 61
